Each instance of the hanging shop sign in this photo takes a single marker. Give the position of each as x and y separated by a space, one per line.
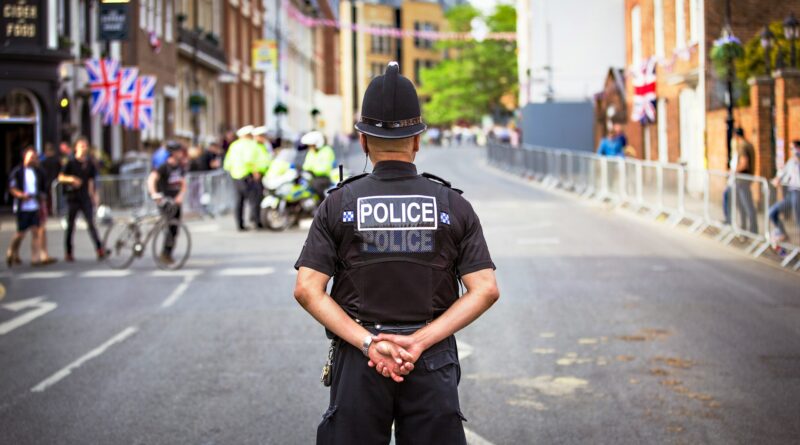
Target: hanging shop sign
265 55
113 21
21 22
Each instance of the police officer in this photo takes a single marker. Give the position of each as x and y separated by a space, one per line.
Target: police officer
396 243
319 161
241 163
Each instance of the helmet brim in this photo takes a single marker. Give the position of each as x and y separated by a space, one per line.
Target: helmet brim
391 133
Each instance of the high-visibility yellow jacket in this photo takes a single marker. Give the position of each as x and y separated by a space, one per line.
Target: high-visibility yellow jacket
241 159
321 162
263 157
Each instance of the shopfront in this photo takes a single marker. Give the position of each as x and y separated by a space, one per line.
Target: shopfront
29 81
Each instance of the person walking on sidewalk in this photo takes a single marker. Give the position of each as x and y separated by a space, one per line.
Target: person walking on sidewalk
78 177
789 179
26 185
168 181
742 163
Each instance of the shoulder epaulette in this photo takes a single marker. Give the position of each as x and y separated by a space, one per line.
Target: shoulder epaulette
435 178
347 181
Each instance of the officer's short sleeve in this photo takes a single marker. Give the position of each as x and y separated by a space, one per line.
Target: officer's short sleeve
319 251
473 253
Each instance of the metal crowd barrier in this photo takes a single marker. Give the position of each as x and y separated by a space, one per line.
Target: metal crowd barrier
734 208
207 194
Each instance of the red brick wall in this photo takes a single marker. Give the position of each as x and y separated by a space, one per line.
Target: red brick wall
716 128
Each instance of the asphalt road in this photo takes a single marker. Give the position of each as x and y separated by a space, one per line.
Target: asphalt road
609 330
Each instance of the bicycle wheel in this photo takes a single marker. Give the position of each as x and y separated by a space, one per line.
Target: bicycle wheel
120 242
175 258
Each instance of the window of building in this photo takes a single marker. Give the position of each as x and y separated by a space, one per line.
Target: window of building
636 35
420 42
680 24
168 22
151 15
380 44
419 65
658 31
159 28
142 14
694 21
376 69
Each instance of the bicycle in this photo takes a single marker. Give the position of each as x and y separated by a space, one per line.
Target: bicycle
130 241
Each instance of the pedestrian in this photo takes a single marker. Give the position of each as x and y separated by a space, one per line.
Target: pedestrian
614 143
788 178
51 167
159 156
79 179
240 163
167 187
214 156
742 163
319 162
26 186
395 304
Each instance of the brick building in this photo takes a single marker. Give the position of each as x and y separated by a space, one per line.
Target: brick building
244 94
680 34
366 56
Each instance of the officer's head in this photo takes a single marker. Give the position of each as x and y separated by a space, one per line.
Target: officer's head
260 134
313 140
391 120
245 132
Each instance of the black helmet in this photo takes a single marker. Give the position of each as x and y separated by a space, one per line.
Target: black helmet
390 109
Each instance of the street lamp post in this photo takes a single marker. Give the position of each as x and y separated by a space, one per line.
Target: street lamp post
727 34
791 29
767 42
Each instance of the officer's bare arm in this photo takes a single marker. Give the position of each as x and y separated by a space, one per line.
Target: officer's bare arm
481 294
309 291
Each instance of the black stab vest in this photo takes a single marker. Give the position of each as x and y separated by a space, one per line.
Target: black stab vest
395 275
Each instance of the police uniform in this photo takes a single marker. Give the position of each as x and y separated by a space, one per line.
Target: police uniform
396 243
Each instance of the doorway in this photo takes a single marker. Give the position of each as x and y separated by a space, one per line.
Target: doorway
20 126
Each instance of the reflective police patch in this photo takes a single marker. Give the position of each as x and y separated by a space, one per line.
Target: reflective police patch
405 212
397 241
348 216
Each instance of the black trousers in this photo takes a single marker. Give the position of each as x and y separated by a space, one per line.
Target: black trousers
172 231
242 187
85 206
424 408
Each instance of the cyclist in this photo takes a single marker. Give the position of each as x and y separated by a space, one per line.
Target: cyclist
167 186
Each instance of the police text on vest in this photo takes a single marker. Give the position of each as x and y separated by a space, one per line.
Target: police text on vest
404 212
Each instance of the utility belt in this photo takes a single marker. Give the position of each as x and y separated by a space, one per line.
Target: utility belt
396 328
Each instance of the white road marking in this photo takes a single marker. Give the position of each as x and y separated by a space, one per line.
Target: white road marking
207 228
539 241
474 439
43 275
464 350
61 374
175 273
178 292
105 273
246 271
42 307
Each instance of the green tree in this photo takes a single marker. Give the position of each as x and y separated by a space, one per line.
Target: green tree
752 64
474 76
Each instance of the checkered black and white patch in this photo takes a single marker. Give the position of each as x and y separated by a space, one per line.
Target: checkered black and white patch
348 216
444 218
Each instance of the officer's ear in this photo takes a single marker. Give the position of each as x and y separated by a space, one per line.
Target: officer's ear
363 138
416 144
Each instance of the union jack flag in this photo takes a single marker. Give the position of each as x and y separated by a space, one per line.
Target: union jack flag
103 83
644 92
142 103
119 111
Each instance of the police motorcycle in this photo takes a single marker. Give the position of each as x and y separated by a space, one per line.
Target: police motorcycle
288 196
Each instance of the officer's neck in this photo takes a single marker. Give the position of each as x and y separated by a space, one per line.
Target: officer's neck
381 156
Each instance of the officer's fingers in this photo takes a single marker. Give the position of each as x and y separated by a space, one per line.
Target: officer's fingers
408 366
371 364
406 356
